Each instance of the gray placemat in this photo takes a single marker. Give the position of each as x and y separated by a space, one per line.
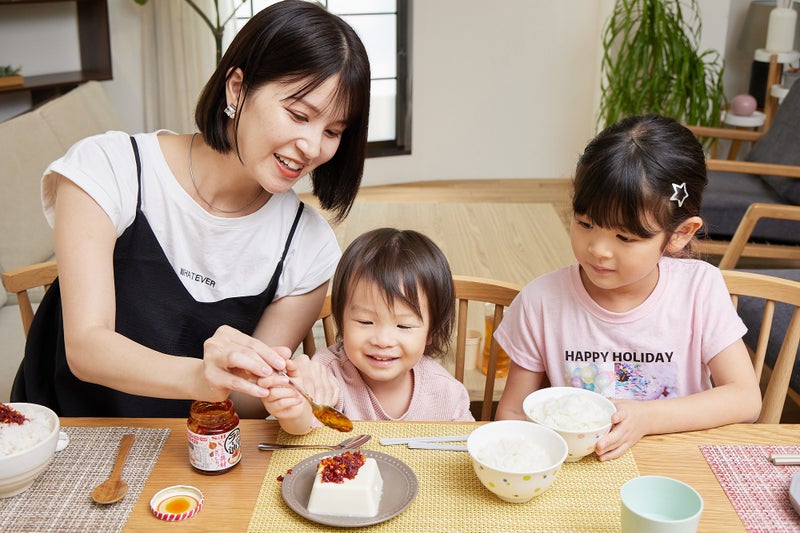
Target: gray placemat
60 499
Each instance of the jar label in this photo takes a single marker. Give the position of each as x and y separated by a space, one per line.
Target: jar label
212 453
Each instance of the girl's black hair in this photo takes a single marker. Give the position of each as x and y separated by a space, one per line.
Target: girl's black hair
402 264
628 174
289 42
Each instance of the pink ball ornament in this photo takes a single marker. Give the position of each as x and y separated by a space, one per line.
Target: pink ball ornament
743 105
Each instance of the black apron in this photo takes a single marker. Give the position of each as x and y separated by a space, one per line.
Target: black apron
153 309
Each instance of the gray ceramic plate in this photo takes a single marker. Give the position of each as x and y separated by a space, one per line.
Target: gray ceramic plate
399 490
794 491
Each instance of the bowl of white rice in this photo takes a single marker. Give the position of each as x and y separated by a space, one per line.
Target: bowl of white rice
516 459
28 438
581 416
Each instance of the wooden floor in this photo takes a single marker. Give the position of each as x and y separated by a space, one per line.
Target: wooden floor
553 191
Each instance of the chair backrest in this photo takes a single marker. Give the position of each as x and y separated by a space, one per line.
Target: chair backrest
497 293
21 280
771 290
310 343
744 230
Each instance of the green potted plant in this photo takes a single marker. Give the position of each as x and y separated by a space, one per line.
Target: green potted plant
217 27
651 64
9 76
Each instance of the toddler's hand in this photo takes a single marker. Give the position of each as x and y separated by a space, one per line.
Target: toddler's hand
315 379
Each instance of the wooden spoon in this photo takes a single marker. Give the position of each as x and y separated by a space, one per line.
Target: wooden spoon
114 488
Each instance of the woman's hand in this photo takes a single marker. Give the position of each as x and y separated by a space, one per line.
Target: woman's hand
287 405
233 361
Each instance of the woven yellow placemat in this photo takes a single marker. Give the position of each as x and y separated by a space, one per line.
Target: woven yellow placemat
584 497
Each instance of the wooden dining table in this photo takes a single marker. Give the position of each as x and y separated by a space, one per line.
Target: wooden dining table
230 497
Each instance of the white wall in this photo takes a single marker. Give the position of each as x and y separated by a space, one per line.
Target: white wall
502 89
506 91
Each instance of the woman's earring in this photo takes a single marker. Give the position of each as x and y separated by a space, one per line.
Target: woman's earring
230 110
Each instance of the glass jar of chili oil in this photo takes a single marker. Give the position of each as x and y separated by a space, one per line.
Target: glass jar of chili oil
213 433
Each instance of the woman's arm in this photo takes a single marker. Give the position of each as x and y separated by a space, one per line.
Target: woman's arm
286 323
84 244
519 384
735 398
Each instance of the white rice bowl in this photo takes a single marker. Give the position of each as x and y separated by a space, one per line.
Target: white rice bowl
27 449
516 459
581 416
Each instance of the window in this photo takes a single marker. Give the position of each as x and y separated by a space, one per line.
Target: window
384 27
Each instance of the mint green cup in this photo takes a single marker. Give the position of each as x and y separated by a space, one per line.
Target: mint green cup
657 504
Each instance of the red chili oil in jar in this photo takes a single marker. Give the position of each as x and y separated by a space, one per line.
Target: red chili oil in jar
213 434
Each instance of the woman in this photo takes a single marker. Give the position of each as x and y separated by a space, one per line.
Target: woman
188 267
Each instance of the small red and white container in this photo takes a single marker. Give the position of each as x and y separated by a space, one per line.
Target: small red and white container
177 503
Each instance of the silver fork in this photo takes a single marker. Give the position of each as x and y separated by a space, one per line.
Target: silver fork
347 444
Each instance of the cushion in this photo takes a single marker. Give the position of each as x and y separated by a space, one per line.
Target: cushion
27 145
781 145
80 113
30 142
727 197
751 310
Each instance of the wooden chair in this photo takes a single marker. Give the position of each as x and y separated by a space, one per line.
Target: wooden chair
769 174
770 290
23 279
483 290
756 212
730 260
310 343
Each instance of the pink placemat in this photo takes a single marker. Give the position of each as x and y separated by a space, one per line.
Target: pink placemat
757 489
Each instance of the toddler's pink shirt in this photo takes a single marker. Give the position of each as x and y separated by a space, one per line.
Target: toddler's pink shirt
659 349
437 394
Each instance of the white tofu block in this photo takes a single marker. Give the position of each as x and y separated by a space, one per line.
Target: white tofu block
358 497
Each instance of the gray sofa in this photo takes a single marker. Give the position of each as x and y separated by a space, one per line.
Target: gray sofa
729 194
28 143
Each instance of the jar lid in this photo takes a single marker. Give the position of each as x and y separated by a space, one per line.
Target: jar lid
177 503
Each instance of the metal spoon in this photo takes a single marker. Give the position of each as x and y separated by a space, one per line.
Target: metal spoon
324 413
114 488
347 444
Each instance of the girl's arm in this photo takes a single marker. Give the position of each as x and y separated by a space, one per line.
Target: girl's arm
519 384
84 244
735 398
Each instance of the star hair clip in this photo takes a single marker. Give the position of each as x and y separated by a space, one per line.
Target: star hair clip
680 195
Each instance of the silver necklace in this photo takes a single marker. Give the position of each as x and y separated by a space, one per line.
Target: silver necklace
209 204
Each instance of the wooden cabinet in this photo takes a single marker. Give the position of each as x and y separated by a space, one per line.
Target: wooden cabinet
95 52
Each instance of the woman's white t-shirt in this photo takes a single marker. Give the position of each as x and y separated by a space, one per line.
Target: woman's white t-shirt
215 257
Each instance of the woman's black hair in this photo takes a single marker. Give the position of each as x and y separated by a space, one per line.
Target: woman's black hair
297 41
642 175
402 264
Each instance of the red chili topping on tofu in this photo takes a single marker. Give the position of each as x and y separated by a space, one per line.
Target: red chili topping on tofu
340 467
11 416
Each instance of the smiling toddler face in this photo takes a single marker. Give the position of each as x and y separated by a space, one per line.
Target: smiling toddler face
384 341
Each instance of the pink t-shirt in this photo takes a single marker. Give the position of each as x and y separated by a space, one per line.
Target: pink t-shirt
659 349
437 394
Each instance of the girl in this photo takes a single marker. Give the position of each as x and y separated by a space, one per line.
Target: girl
393 305
635 319
188 267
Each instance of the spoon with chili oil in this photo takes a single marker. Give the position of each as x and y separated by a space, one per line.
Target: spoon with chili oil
324 413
